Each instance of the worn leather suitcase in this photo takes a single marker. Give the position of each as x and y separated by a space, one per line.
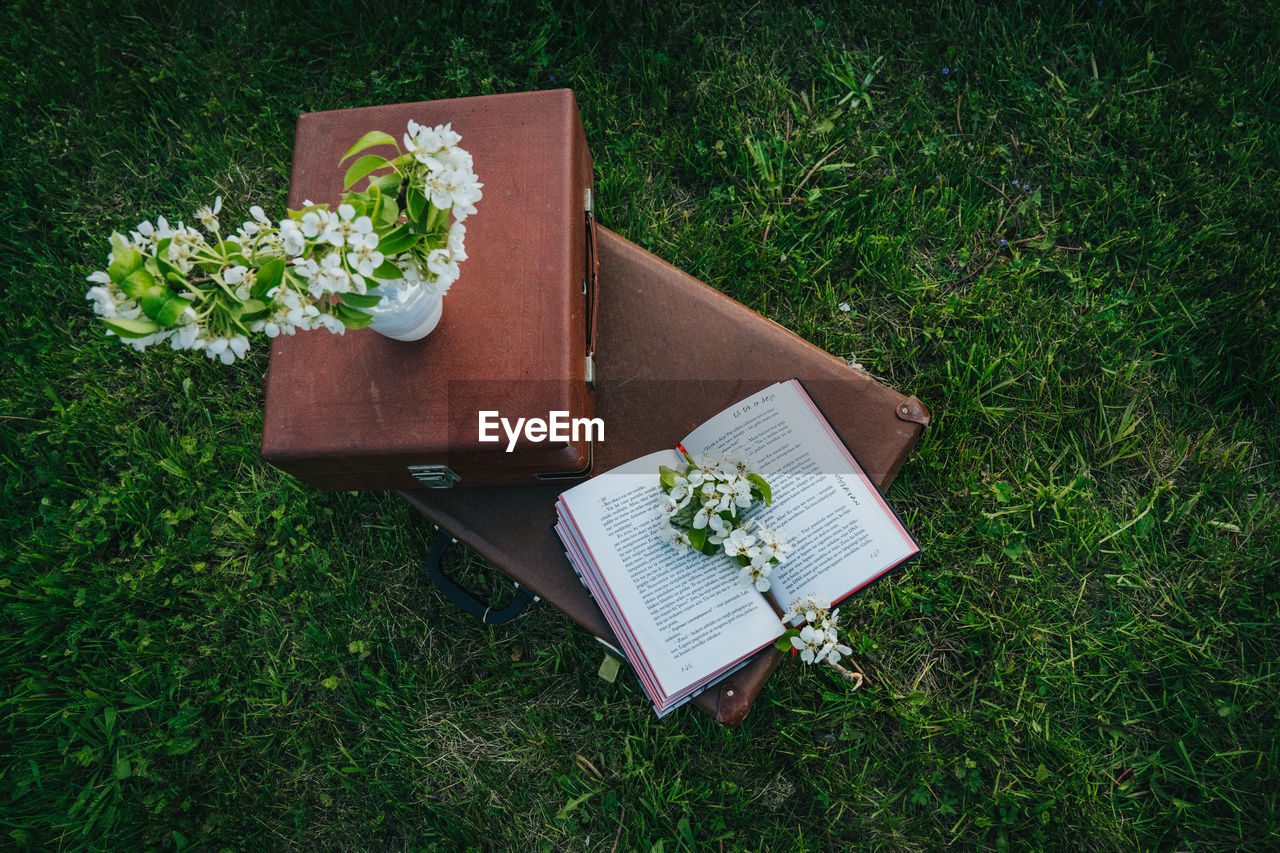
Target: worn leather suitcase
652 387
362 411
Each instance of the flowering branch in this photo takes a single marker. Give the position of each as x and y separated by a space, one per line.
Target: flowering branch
818 641
316 268
701 507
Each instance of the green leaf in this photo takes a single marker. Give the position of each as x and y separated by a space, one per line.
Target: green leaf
330 683
784 642
253 308
389 212
759 482
436 220
359 203
370 139
361 300
388 271
171 310
370 201
119 244
123 769
139 283
389 184
233 253
397 240
269 275
297 215
167 270
352 318
697 537
153 302
667 476
362 167
416 202
124 264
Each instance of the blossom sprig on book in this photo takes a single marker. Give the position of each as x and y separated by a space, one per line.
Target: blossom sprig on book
208 290
702 507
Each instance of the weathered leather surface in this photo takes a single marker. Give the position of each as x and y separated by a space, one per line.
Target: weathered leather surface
671 353
354 411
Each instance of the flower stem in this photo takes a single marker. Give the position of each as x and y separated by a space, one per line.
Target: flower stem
852 675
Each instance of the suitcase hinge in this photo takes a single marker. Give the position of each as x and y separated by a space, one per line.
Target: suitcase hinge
589 209
434 476
591 274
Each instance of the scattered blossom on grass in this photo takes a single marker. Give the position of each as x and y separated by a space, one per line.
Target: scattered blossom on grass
818 641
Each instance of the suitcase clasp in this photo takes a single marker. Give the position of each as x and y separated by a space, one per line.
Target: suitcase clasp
434 476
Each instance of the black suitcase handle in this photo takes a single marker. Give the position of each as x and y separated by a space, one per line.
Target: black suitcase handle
464 599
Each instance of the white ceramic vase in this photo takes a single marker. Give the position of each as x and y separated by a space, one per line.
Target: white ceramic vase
406 314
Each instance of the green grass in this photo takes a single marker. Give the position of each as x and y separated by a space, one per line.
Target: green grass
198 650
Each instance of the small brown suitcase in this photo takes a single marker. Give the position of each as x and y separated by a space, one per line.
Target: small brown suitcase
362 411
653 386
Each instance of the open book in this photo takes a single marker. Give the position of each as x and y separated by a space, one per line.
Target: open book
684 619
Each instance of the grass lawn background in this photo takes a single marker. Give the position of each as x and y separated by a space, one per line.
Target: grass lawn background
199 650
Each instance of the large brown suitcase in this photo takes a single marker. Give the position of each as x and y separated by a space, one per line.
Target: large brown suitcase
653 386
362 411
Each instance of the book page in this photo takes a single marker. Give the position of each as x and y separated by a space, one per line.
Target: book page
687 611
842 533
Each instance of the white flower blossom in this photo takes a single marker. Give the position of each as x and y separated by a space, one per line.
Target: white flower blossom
333 277
755 576
736 494
807 610
718 529
315 222
330 322
293 239
442 264
704 515
681 492
739 541
144 238
457 238
364 255
208 216
227 349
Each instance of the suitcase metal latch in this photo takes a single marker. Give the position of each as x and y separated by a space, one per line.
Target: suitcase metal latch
434 476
